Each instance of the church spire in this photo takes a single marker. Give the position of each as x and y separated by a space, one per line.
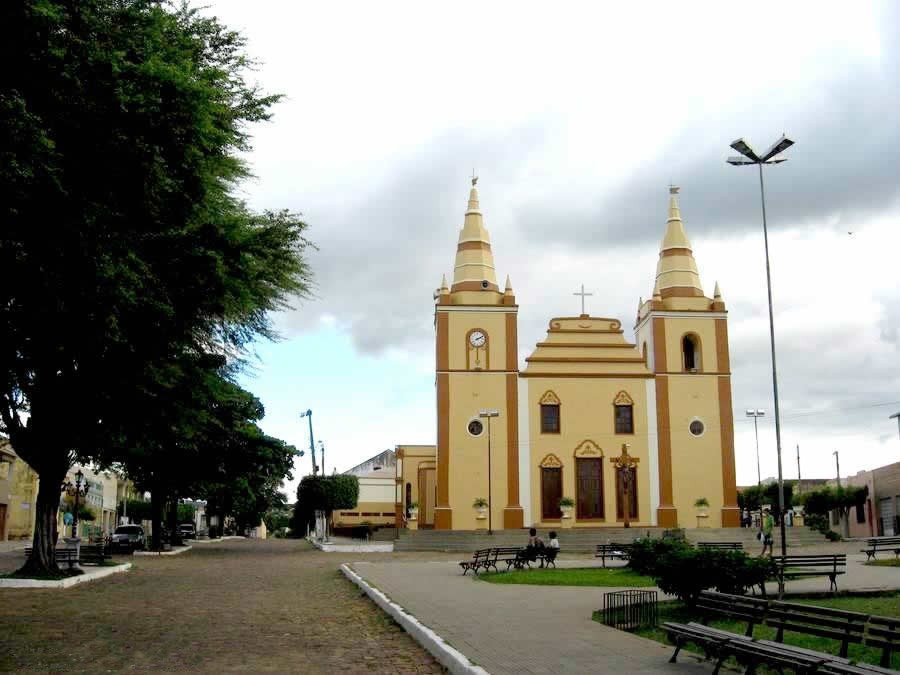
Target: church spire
474 270
676 271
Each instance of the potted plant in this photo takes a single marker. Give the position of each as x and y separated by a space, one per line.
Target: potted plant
566 504
481 506
702 506
413 510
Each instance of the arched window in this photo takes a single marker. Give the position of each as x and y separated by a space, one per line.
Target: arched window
623 406
550 422
690 349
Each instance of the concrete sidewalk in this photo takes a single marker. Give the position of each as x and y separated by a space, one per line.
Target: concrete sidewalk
519 629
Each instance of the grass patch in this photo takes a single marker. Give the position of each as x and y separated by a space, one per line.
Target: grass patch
578 576
885 563
885 605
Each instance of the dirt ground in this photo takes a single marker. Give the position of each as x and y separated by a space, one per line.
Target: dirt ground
241 605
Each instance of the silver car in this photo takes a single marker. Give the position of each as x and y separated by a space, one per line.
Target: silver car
128 537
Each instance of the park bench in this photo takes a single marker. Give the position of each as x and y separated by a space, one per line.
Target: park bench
842 626
877 544
793 566
605 551
514 557
721 545
713 641
93 555
883 632
63 555
479 559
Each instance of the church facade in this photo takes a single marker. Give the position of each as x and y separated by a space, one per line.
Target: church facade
624 431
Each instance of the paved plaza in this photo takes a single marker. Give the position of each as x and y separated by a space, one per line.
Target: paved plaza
236 606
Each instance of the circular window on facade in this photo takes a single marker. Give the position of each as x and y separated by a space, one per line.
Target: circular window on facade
697 428
475 427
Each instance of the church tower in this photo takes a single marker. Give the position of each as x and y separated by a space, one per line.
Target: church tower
476 370
684 339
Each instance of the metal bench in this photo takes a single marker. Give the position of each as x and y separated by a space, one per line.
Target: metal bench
514 556
793 566
479 560
877 544
612 551
721 545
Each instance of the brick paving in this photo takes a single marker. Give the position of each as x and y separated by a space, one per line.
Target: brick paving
236 606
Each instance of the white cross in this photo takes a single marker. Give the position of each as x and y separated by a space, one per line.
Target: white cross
582 294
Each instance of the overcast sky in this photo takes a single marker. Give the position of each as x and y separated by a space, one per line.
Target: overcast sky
577 119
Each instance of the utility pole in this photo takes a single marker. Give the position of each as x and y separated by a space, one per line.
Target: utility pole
322 449
798 469
837 462
312 446
896 416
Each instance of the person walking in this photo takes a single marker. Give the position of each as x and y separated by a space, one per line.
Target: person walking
767 525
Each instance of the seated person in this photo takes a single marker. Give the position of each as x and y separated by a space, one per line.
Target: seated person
554 542
535 545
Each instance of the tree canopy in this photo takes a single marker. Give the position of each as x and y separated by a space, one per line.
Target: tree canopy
323 493
132 272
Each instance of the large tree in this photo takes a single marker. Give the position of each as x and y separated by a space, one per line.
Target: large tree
122 246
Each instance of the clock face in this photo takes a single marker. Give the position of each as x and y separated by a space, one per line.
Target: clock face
477 339
475 427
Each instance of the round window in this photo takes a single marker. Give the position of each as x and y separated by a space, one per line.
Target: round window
475 427
697 428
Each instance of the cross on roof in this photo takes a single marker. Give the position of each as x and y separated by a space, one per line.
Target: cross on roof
583 295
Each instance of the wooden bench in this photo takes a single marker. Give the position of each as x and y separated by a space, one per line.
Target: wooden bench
832 566
605 551
713 641
514 557
883 632
877 544
837 624
721 545
62 555
93 555
479 559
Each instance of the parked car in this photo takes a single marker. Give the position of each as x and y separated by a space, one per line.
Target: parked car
187 531
128 537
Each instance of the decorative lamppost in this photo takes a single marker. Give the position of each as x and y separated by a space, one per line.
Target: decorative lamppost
76 490
625 463
488 414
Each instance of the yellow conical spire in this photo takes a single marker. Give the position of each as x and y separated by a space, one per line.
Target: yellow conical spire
676 271
474 270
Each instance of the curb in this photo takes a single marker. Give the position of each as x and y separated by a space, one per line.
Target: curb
381 547
177 551
65 583
449 657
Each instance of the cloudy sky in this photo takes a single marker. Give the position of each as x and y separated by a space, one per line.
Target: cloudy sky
576 120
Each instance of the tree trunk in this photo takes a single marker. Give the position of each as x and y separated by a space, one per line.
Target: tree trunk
174 537
42 560
845 523
156 508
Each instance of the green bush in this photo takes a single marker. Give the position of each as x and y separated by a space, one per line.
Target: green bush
647 554
684 571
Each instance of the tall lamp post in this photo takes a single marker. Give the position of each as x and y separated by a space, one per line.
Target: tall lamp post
896 416
837 467
756 414
76 490
488 414
770 156
312 447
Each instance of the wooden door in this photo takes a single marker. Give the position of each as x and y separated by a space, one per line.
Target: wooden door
551 493
589 487
427 497
632 494
2 522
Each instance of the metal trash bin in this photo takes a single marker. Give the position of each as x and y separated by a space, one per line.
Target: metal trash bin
630 610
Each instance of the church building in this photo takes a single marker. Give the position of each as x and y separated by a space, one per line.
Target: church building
618 431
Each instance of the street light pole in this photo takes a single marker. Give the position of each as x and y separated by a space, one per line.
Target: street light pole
896 416
312 446
837 464
322 450
769 157
489 414
756 414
